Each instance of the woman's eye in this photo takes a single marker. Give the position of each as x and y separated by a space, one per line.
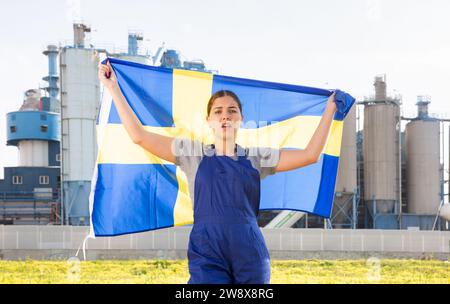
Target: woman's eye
217 112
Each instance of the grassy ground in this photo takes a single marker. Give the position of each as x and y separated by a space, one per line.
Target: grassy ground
164 271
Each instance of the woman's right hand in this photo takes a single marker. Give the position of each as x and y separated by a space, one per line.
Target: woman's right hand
107 76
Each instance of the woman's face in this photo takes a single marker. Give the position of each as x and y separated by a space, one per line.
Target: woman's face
225 118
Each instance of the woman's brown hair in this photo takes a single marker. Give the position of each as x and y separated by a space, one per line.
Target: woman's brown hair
223 93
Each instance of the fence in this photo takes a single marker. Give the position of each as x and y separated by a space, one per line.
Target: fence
70 237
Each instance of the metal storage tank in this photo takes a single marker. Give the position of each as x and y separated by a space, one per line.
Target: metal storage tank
32 132
381 149
29 130
80 98
33 153
445 212
346 179
423 166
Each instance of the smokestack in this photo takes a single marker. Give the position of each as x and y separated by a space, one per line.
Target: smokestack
380 88
52 78
422 106
79 34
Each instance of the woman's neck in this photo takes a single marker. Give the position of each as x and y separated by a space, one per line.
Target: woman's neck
225 147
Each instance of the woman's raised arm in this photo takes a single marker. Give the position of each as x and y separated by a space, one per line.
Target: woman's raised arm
159 145
293 159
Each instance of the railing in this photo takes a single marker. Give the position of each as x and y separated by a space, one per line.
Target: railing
111 48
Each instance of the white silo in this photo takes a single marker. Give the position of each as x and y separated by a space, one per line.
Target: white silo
381 155
80 98
346 178
445 212
423 165
32 152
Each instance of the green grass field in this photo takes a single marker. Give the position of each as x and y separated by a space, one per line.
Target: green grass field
176 271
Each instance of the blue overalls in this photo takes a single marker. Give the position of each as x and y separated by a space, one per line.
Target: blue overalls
226 244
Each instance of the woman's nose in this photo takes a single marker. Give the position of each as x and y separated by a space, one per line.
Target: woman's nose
226 117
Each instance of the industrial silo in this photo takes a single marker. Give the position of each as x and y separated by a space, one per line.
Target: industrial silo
423 165
32 131
80 97
381 156
346 179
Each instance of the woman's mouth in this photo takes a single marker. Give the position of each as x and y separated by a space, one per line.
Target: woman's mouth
226 125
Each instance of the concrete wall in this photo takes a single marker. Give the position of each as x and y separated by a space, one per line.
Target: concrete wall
43 242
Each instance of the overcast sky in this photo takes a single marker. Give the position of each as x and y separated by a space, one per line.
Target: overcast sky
323 43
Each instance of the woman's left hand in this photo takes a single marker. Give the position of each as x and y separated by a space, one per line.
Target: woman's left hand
331 103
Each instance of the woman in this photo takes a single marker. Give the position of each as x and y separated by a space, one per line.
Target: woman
225 244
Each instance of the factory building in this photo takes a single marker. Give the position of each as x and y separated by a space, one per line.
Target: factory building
29 192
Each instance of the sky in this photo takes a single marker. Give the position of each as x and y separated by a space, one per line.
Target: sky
324 43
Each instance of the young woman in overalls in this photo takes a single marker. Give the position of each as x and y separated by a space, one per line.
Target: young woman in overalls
225 245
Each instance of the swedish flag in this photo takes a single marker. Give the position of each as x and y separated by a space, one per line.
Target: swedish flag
135 191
